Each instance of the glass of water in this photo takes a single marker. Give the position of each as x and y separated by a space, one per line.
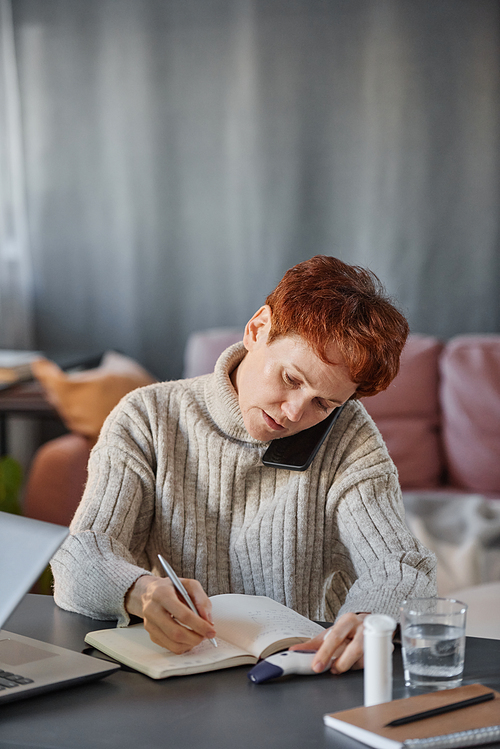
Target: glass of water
433 639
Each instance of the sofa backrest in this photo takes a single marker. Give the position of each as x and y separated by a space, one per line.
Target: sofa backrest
440 417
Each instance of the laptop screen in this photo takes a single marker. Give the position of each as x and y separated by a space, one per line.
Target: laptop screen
26 546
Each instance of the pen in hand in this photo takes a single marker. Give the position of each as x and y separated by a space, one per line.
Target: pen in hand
442 709
181 589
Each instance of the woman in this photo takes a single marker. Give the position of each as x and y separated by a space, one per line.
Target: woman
178 471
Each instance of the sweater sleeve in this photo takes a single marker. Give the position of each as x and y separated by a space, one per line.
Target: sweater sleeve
104 553
387 563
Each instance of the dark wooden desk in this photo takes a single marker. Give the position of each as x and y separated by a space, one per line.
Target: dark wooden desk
218 710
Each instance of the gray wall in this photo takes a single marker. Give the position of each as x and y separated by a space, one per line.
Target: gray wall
182 154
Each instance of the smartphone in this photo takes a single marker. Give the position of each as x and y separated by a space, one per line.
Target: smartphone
296 453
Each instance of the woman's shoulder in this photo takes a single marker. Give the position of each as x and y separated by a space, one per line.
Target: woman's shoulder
164 391
359 443
357 421
145 408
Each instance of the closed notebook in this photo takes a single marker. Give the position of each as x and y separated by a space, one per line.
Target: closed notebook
368 724
248 628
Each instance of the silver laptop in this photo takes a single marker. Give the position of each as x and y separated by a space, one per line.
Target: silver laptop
28 666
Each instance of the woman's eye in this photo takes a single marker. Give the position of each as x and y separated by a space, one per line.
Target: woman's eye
322 406
288 379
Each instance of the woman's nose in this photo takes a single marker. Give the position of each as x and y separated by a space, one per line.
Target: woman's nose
293 408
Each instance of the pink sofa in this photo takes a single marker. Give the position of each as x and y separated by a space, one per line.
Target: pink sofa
441 416
440 419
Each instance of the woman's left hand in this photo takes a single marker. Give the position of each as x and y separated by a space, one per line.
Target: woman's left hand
341 645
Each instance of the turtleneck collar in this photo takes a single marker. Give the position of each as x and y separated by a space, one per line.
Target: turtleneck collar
222 399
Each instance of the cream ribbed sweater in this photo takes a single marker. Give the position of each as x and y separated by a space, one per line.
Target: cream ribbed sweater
175 472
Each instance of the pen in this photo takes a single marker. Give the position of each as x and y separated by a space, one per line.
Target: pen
181 589
442 709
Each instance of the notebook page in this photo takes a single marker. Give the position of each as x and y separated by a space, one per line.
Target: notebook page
255 622
132 646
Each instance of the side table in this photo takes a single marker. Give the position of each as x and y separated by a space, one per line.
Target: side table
28 398
25 399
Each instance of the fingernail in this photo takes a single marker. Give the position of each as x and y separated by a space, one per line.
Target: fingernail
318 667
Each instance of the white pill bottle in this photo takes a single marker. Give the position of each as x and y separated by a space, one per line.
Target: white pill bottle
378 630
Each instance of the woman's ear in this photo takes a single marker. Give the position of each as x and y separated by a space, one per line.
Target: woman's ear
257 328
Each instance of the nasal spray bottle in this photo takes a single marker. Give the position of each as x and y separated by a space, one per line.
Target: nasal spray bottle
378 630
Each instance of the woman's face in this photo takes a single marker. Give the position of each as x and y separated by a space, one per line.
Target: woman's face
284 387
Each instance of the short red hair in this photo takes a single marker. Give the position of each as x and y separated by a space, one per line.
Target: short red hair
325 300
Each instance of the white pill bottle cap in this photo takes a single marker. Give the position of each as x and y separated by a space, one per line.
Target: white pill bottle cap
379 625
378 630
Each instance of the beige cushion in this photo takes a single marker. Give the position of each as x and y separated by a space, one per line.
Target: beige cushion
84 399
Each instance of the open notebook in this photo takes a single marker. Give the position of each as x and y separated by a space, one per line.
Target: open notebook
28 666
248 628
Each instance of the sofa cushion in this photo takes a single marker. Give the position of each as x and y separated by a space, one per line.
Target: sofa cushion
470 400
407 414
84 399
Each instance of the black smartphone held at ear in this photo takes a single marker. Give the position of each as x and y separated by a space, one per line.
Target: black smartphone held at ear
296 453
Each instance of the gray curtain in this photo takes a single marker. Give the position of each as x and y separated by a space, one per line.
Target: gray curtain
16 277
182 154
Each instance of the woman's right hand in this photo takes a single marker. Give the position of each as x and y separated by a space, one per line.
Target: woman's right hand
168 620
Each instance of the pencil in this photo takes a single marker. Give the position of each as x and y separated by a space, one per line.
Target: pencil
442 709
